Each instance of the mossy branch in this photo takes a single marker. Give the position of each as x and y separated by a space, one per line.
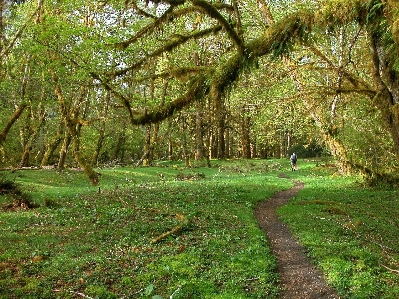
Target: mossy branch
196 90
279 38
173 42
211 11
183 222
182 74
158 23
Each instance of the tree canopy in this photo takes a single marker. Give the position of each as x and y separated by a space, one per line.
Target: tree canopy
213 78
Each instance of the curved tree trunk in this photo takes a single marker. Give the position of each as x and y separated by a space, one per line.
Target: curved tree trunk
73 130
34 132
14 117
101 135
118 147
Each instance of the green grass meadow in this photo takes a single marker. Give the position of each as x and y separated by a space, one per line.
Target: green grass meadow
80 240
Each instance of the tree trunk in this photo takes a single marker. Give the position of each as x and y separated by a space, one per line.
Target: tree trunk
185 152
52 146
101 135
245 139
387 98
99 145
147 147
73 130
64 150
227 149
15 116
118 146
199 134
89 171
170 140
34 132
220 115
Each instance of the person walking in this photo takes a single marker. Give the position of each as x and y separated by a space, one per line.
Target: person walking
293 159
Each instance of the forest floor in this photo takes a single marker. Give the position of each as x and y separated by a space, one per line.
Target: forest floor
299 278
62 237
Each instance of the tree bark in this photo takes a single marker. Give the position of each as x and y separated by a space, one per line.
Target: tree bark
245 139
118 147
220 123
52 146
146 160
14 117
185 151
73 130
387 93
199 134
64 150
34 132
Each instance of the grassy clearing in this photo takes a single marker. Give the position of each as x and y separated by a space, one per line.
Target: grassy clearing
96 241
351 231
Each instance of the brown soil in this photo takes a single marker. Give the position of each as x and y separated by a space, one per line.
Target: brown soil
299 278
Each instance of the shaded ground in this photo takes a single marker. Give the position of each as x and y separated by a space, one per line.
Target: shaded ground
299 278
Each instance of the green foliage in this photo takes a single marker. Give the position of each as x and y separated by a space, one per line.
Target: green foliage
308 151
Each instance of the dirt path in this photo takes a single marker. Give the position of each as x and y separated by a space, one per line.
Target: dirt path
299 279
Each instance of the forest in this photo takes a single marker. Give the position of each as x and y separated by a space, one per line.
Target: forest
85 84
214 95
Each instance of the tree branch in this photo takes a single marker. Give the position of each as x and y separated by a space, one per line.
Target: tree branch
175 41
182 73
183 221
196 91
211 11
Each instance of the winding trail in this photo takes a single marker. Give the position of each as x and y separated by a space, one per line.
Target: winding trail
299 279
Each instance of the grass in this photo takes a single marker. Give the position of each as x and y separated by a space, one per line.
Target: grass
349 230
96 241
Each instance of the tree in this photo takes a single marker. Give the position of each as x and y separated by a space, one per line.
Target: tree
157 58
